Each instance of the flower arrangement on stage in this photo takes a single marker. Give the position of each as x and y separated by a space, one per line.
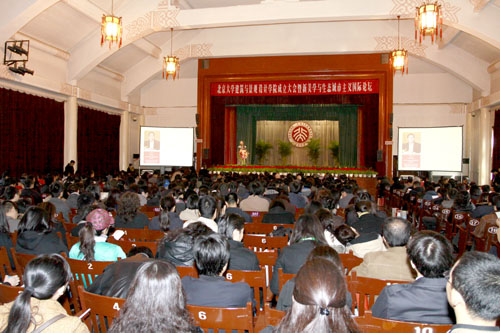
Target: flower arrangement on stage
362 172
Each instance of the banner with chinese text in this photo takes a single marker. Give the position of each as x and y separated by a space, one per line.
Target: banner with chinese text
282 88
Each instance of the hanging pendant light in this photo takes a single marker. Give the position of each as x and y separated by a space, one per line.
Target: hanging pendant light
111 28
429 21
399 57
171 64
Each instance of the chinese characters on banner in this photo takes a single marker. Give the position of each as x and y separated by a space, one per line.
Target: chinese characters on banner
281 88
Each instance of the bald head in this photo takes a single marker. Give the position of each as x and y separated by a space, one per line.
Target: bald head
396 231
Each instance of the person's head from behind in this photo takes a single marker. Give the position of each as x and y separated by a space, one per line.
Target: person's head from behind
146 309
56 190
474 288
396 231
211 254
295 187
277 204
135 250
364 207
35 219
308 227
98 222
232 226
231 199
207 206
344 234
4 224
313 207
167 203
328 253
430 253
192 201
319 300
49 208
45 277
128 206
462 200
255 188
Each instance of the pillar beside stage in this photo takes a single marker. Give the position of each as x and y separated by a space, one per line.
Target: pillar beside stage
71 131
124 140
485 133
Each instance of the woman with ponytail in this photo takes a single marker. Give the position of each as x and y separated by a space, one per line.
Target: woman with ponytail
168 218
92 245
45 279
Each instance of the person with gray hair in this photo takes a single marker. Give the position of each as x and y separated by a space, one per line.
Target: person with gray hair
473 292
392 264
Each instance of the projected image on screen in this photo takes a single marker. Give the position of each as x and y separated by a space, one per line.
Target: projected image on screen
166 146
430 149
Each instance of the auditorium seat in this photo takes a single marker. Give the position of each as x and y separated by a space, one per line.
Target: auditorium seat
187 271
255 279
364 291
102 310
20 261
369 324
127 245
264 228
273 316
5 265
9 293
239 319
261 243
284 277
84 272
349 261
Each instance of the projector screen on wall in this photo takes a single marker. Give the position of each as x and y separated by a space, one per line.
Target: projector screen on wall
430 148
166 146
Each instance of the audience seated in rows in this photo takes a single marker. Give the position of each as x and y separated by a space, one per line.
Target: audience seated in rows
207 206
255 201
277 214
167 216
128 214
232 202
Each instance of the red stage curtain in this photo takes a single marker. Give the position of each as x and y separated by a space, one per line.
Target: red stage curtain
496 141
98 141
230 137
368 105
31 133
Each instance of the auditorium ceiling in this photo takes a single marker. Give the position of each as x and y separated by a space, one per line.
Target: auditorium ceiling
70 29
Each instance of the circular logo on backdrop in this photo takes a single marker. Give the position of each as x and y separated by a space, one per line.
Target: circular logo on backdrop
300 133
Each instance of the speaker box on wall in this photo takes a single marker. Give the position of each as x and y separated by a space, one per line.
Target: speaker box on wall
135 156
380 155
205 63
197 132
390 133
206 153
391 118
384 58
197 119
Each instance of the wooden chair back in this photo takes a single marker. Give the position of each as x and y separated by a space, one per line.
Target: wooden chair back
255 279
267 258
260 243
284 277
20 261
13 237
128 245
84 272
144 235
68 226
102 309
364 290
5 265
457 218
369 324
273 316
264 228
298 213
239 319
465 235
187 271
349 261
257 216
442 221
9 293
484 243
71 240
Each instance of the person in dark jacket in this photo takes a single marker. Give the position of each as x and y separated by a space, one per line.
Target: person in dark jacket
128 215
211 255
232 207
116 278
241 258
278 214
167 205
307 234
35 235
177 245
368 222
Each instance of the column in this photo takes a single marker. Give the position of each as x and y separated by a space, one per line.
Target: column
484 146
468 133
124 140
71 131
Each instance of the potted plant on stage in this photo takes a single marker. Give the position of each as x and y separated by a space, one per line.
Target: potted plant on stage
262 149
313 151
334 149
285 150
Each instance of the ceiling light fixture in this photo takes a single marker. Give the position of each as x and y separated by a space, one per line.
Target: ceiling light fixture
171 64
429 21
399 57
111 28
